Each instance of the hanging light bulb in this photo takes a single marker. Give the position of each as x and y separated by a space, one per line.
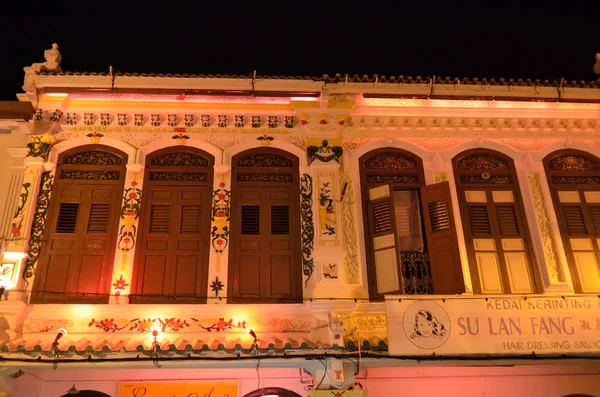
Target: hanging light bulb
73 390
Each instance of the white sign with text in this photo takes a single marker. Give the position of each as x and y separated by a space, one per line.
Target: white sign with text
493 325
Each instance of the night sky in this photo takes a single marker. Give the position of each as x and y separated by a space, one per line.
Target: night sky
538 40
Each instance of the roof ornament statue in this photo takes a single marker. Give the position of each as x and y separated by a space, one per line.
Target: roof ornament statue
52 64
597 65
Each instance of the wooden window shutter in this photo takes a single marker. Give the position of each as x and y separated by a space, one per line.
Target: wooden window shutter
250 219
190 219
440 229
574 220
507 220
480 220
280 220
384 240
595 211
160 217
99 217
67 217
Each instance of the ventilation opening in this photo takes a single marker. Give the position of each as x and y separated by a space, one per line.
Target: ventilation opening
280 219
190 219
575 220
382 217
507 220
250 219
67 217
480 221
160 217
438 215
98 221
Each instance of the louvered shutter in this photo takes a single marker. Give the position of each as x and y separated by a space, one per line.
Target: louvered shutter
574 220
67 217
442 243
507 220
384 240
98 219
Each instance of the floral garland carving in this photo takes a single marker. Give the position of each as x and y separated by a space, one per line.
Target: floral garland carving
17 222
174 324
220 219
541 214
482 163
40 145
94 158
326 202
572 163
349 234
368 323
308 228
37 224
130 211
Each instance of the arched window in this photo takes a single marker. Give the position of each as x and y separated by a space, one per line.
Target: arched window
574 180
411 239
75 263
498 243
173 245
265 261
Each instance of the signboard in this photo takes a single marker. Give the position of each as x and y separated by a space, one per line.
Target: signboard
179 389
493 325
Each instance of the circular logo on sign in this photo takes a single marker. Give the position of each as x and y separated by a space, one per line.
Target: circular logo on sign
426 325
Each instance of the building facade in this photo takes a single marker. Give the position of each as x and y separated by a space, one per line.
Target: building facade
266 235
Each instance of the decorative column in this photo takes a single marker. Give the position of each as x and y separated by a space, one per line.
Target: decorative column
127 238
329 252
13 187
219 235
543 226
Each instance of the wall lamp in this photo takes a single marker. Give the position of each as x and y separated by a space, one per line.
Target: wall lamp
61 332
252 334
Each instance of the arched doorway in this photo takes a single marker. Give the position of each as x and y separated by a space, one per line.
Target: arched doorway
265 259
76 259
272 392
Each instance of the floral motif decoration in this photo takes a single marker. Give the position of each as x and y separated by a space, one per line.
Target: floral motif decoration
572 163
222 121
205 118
120 284
55 118
239 121
330 271
71 118
327 210
122 119
265 160
40 145
220 218
288 121
138 119
173 324
155 120
308 229
389 161
272 121
171 120
91 175
349 235
541 214
130 212
37 224
216 286
38 114
255 122
17 223
180 138
265 140
188 120
104 118
94 158
88 118
482 163
95 137
324 153
180 160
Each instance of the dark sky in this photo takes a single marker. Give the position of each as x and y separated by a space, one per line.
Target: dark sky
512 39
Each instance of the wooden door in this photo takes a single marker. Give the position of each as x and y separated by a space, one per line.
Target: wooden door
265 258
75 264
173 246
